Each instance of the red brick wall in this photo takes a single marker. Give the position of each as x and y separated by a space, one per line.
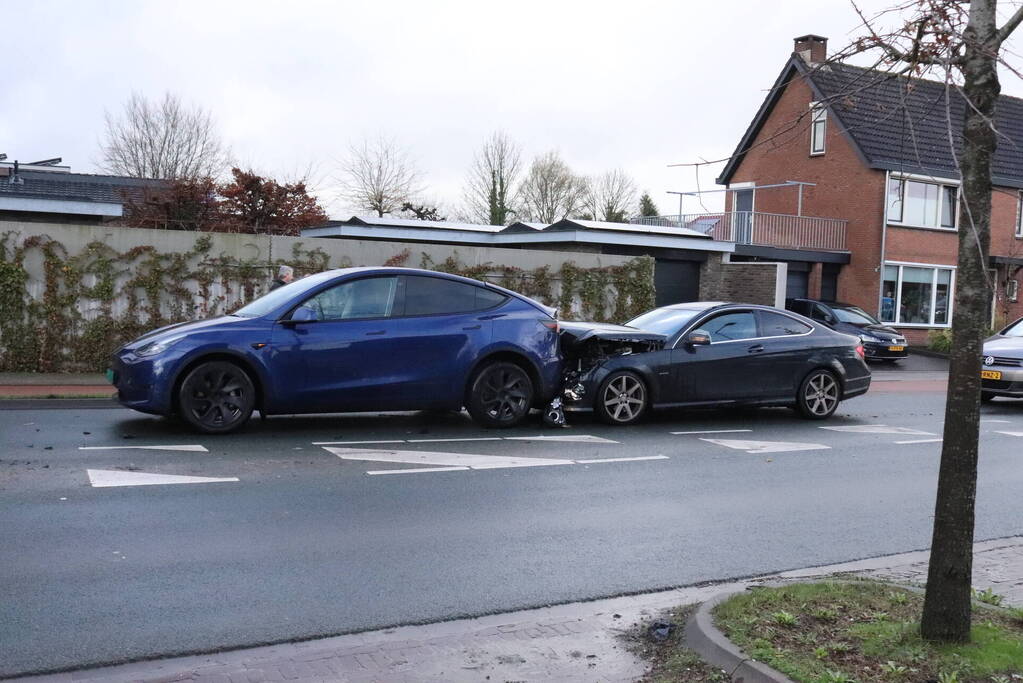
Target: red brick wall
845 189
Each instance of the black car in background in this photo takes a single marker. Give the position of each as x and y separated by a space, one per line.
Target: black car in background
709 354
880 342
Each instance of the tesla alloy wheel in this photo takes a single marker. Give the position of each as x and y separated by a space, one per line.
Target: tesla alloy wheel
819 395
622 398
501 395
216 397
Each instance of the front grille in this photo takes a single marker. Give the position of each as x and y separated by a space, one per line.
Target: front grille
1010 362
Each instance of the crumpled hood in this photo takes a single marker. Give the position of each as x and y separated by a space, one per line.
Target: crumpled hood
1005 347
178 329
573 333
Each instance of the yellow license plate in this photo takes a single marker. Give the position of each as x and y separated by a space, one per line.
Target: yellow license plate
990 374
896 348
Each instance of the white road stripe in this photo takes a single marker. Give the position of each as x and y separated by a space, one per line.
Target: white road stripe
568 438
920 441
877 429
474 438
767 446
418 470
1003 421
353 443
106 478
645 457
1011 433
190 448
714 431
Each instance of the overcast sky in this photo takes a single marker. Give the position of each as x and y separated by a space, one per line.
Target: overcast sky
636 85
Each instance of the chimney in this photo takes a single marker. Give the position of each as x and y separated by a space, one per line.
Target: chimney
812 49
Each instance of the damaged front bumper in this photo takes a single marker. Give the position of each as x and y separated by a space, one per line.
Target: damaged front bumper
586 347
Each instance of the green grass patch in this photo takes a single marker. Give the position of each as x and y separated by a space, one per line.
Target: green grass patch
860 632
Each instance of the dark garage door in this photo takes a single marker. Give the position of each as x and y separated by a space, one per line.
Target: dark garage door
797 284
676 281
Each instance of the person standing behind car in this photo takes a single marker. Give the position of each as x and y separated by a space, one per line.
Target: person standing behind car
285 274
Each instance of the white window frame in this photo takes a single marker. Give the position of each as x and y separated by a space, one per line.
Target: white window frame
941 183
935 267
1019 214
818 115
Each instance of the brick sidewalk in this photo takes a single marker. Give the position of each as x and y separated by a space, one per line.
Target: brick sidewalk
576 642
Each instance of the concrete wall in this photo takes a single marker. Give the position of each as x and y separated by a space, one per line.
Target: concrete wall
264 252
760 282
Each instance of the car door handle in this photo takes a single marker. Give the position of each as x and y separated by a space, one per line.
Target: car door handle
378 332
492 316
756 348
472 327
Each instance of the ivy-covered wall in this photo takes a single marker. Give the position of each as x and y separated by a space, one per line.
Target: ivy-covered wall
70 295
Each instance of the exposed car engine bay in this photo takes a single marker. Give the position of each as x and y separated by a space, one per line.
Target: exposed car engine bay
587 346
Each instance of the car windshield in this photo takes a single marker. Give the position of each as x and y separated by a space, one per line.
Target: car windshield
1014 330
280 296
666 321
856 316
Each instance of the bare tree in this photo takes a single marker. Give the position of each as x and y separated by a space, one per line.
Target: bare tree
611 196
163 139
489 187
379 176
551 191
963 42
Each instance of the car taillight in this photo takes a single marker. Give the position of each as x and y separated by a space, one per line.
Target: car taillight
550 324
859 350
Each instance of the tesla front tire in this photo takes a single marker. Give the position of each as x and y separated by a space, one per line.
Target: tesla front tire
216 397
500 395
622 399
819 395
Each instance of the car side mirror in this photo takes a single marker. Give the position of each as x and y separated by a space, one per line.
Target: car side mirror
698 338
302 314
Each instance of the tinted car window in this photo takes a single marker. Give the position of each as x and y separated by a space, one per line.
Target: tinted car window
778 325
730 326
802 307
665 321
434 295
856 316
367 298
820 313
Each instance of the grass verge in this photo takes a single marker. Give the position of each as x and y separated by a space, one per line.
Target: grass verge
836 632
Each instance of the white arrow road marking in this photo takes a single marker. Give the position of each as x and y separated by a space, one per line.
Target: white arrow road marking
877 429
450 462
920 441
1011 433
103 478
568 438
715 431
190 448
472 438
354 443
460 460
767 446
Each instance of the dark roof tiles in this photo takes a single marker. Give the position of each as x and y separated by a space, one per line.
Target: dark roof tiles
82 187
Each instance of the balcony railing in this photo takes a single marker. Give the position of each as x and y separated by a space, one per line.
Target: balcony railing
761 229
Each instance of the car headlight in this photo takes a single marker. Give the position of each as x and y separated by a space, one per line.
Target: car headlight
867 338
153 348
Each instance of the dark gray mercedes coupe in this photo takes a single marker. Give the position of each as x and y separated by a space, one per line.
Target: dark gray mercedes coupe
709 354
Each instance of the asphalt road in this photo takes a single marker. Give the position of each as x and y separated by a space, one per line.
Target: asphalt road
306 543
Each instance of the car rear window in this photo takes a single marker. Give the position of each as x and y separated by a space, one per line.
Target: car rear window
434 296
778 325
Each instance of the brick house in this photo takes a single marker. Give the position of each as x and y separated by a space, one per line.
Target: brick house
875 151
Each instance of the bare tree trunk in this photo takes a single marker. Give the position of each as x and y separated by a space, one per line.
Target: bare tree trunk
946 614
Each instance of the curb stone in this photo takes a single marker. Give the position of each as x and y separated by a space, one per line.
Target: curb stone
711 644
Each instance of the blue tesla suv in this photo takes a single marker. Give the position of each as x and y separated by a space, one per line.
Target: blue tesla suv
348 340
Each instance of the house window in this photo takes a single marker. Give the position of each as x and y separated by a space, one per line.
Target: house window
917 295
818 126
922 204
1019 214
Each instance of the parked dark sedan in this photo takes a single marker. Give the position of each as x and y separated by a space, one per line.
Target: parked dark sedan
880 342
350 340
1002 374
710 354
